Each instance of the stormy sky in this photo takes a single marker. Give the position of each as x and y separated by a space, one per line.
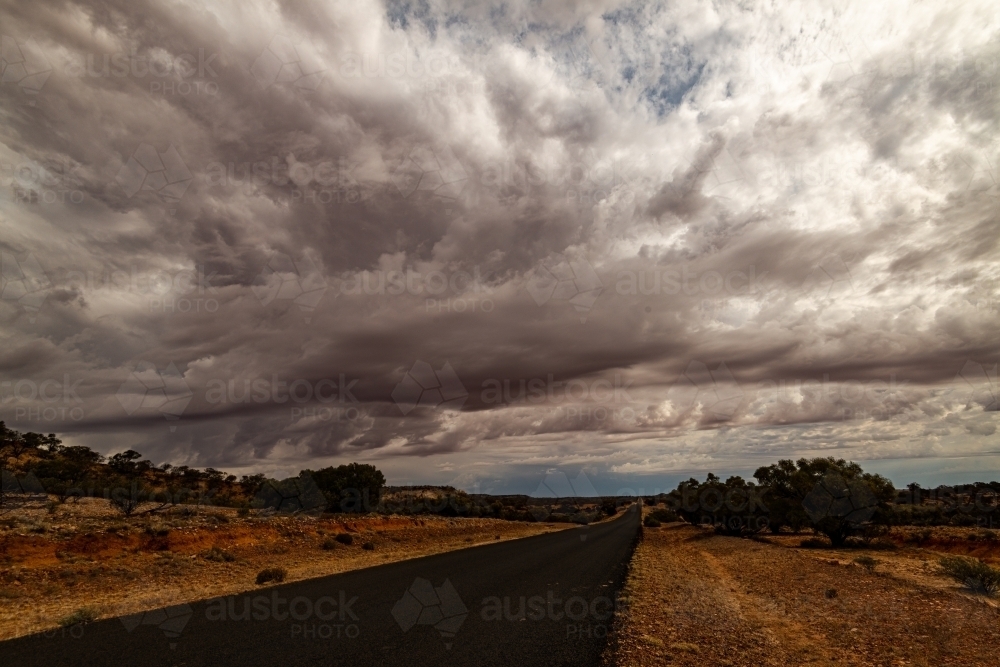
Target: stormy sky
472 243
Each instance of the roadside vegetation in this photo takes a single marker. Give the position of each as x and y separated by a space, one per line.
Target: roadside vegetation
40 465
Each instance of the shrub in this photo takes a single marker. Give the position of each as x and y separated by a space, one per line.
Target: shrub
219 556
972 572
127 501
921 536
345 538
831 593
78 617
368 546
243 512
650 522
329 544
813 543
664 515
275 574
867 562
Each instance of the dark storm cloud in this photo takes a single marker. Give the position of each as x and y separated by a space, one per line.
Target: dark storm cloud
730 230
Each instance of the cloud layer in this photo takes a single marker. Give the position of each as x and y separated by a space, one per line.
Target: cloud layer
472 244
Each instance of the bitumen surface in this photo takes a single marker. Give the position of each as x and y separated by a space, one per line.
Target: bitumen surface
542 600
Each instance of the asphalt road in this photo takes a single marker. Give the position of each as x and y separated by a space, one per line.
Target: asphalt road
543 600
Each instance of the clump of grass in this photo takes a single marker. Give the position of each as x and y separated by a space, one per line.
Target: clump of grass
157 530
830 593
217 555
868 563
972 572
685 647
243 512
368 546
275 574
78 617
345 538
329 544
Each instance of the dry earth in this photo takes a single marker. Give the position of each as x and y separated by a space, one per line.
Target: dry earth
84 556
695 598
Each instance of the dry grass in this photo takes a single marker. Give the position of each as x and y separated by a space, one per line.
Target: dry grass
85 556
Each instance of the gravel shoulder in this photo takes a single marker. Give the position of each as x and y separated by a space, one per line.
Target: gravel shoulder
695 598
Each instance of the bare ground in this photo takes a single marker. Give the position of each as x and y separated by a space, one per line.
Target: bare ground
695 598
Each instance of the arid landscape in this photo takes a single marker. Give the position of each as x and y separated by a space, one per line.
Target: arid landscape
698 598
78 562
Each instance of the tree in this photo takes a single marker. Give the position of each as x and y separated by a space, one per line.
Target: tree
294 494
836 496
65 473
125 463
356 487
734 507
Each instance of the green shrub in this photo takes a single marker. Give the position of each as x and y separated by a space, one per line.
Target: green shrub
329 544
275 574
973 573
368 546
345 538
78 617
650 522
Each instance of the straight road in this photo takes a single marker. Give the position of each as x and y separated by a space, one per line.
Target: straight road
542 600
